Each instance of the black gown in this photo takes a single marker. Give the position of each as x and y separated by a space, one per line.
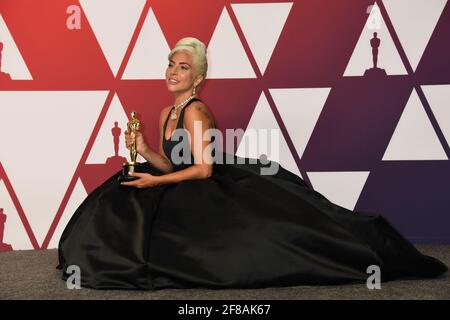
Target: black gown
236 229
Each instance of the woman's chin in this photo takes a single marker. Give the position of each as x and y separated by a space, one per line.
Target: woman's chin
175 90
172 88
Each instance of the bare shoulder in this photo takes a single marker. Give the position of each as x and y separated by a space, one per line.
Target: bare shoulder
196 106
199 107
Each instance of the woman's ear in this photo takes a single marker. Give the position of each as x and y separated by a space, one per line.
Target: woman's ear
198 80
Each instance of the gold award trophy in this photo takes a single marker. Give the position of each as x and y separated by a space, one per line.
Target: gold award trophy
130 167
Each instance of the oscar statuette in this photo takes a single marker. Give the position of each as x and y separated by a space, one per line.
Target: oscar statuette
131 166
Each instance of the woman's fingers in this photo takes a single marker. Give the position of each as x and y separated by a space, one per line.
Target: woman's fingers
129 140
132 138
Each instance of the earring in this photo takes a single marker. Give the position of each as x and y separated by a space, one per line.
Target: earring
193 92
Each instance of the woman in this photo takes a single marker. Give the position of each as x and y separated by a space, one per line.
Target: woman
201 224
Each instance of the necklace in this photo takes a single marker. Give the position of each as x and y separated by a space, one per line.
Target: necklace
173 113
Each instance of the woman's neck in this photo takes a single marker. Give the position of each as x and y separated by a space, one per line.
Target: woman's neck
181 97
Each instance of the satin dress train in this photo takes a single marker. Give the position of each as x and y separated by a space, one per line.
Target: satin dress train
236 229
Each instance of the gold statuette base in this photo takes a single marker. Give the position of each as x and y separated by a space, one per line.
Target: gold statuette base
127 168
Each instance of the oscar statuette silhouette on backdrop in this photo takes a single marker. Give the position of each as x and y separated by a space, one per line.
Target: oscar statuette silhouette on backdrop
3 246
116 134
116 160
3 75
95 174
375 71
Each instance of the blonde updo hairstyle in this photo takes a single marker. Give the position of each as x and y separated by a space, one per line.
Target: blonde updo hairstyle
197 49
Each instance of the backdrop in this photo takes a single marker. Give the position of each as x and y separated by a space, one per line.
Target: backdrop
363 118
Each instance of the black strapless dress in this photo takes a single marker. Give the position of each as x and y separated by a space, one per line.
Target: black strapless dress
236 229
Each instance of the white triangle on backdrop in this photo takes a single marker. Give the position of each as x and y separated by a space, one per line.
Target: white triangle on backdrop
149 57
226 55
262 24
113 23
414 22
252 144
331 186
103 147
388 57
300 109
55 135
438 97
12 61
414 137
78 195
14 232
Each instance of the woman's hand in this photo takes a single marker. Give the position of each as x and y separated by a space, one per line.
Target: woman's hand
145 180
141 147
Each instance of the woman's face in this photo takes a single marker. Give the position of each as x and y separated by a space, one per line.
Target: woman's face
181 73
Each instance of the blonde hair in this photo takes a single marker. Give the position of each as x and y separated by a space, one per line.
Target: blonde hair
197 49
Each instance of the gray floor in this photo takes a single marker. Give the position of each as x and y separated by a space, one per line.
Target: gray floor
32 275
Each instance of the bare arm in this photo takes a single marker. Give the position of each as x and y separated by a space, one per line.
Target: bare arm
159 159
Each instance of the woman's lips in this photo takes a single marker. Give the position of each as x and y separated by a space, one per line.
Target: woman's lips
171 81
